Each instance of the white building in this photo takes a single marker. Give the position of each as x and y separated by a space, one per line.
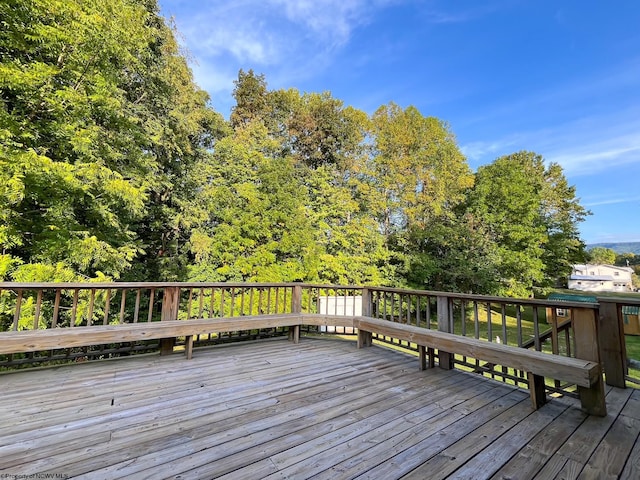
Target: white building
601 278
340 305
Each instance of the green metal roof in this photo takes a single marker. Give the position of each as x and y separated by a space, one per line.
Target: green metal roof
630 310
567 297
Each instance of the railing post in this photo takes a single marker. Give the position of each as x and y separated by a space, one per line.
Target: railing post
612 343
365 339
296 307
170 307
445 359
366 302
585 324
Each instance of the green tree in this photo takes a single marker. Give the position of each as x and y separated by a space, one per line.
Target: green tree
602 256
252 99
456 254
418 167
531 214
99 119
248 220
327 143
561 215
420 177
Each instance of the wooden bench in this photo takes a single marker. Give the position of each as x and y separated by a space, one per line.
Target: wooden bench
49 339
585 374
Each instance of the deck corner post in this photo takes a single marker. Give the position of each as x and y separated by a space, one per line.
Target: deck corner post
296 307
294 334
612 343
422 355
537 390
365 339
188 347
170 307
366 302
585 327
445 359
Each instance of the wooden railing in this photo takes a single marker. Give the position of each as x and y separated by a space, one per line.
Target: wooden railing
524 323
612 342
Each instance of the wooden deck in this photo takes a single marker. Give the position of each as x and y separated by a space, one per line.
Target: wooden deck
321 409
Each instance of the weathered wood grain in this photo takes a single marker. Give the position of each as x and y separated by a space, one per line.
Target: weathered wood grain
271 409
580 372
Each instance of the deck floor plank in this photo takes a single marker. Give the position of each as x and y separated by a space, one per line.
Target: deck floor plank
535 455
376 442
609 459
465 443
167 390
314 440
188 415
320 408
585 440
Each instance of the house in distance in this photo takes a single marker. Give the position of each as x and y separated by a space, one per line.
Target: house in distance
601 278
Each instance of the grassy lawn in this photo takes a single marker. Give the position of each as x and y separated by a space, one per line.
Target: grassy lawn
633 346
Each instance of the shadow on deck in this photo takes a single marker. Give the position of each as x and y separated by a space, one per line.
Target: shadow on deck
320 408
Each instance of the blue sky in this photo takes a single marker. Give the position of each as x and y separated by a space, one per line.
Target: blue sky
560 78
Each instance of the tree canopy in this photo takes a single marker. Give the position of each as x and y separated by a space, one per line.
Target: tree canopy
602 256
114 165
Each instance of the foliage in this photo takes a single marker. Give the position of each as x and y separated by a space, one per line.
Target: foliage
602 256
531 214
113 165
98 119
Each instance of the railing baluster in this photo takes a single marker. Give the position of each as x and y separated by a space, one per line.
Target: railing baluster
56 308
36 316
152 294
123 303
476 320
107 300
503 312
136 308
519 324
74 307
277 292
489 325
16 315
463 318
92 298
268 300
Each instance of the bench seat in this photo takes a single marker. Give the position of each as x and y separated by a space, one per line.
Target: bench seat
49 339
585 374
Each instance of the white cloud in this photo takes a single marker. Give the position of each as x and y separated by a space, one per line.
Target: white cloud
595 157
582 147
290 41
330 20
266 32
610 201
493 149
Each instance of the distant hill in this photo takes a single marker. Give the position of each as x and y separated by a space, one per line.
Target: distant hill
623 247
